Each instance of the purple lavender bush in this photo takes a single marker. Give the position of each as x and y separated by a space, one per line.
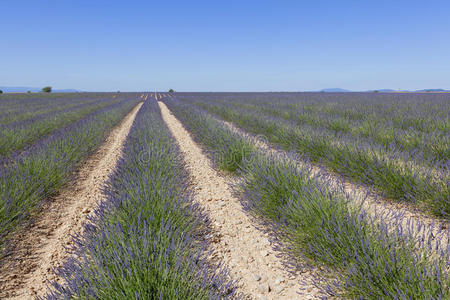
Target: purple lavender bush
368 257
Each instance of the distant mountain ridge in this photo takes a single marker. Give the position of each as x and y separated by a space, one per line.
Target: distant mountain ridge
432 90
24 89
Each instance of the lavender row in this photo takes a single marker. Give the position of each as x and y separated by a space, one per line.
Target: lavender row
44 168
17 107
365 256
147 240
28 111
432 144
26 118
18 135
418 111
395 174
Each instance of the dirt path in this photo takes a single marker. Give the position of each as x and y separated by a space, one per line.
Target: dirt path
43 247
407 215
245 250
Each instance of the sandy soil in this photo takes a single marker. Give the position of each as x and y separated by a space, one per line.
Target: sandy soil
372 202
43 246
246 251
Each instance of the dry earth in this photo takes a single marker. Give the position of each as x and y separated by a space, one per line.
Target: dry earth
246 251
43 246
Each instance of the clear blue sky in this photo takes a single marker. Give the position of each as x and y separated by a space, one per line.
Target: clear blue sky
225 45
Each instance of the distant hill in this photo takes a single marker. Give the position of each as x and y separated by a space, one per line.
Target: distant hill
23 89
335 90
432 90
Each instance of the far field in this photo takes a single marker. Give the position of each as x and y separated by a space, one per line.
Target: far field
225 195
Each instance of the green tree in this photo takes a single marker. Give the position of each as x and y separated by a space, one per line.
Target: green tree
1 92
171 91
47 89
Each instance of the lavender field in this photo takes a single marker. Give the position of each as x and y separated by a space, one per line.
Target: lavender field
43 140
225 196
369 255
397 143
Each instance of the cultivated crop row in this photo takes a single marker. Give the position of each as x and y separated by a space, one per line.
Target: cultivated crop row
370 257
18 107
404 121
30 176
17 135
29 112
147 239
399 173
